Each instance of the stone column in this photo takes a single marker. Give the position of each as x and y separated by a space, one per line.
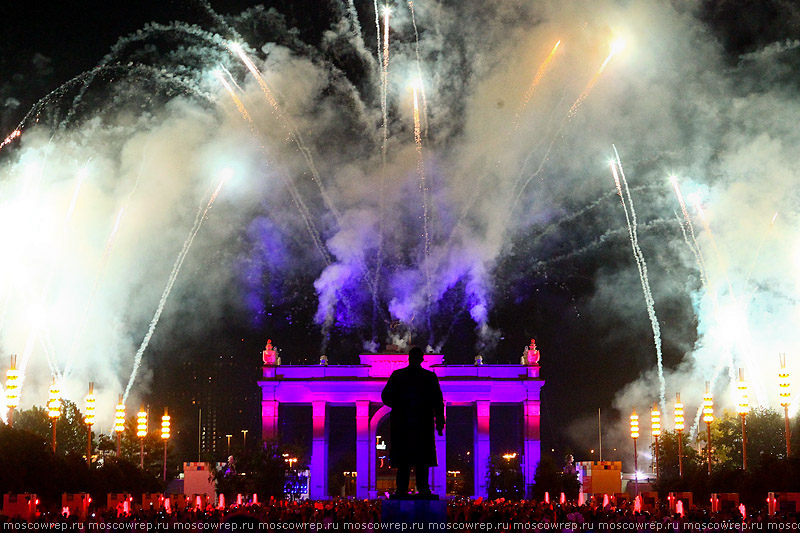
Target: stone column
269 420
319 452
480 454
531 442
439 473
363 444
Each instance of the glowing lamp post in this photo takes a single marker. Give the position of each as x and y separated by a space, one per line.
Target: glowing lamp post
635 436
742 408
786 400
89 419
679 430
708 417
12 389
655 425
165 437
141 432
119 423
54 408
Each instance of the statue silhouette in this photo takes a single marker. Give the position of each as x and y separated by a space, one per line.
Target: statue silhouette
415 397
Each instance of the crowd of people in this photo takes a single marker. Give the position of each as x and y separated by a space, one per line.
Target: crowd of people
366 515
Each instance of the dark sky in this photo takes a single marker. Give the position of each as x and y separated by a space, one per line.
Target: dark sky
585 362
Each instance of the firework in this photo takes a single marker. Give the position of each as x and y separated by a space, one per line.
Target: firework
641 265
535 83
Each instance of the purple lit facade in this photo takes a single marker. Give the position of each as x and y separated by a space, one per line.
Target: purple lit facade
473 385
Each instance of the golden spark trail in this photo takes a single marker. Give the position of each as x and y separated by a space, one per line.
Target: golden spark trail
11 136
589 86
236 100
535 83
176 268
419 72
641 264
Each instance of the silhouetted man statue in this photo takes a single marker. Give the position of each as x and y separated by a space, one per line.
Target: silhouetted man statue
415 397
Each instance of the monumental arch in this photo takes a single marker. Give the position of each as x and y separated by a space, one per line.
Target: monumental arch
478 386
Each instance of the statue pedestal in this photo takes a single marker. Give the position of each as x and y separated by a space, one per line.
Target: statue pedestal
420 515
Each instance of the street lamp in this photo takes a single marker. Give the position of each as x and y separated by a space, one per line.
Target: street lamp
229 445
786 400
742 408
655 425
91 399
635 436
708 417
165 437
12 389
54 408
679 431
244 439
141 432
119 423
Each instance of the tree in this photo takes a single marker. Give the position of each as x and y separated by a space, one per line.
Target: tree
70 427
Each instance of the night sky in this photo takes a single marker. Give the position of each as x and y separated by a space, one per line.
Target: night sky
564 271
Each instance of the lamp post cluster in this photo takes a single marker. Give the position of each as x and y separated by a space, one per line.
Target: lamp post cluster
54 407
742 409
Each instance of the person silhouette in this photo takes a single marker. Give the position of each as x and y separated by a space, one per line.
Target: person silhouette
415 397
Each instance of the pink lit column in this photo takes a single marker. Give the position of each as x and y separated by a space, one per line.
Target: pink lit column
532 443
269 420
439 473
319 453
363 443
481 448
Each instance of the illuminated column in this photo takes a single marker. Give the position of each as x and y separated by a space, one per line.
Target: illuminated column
743 407
89 419
141 432
165 434
54 409
655 425
319 452
708 417
269 420
439 485
635 437
679 430
786 401
119 423
531 443
363 444
12 390
480 454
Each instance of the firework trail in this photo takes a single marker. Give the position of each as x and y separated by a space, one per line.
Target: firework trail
419 72
535 83
11 136
93 294
758 249
616 47
351 8
176 268
695 246
641 264
385 93
293 192
236 100
294 133
423 185
477 188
